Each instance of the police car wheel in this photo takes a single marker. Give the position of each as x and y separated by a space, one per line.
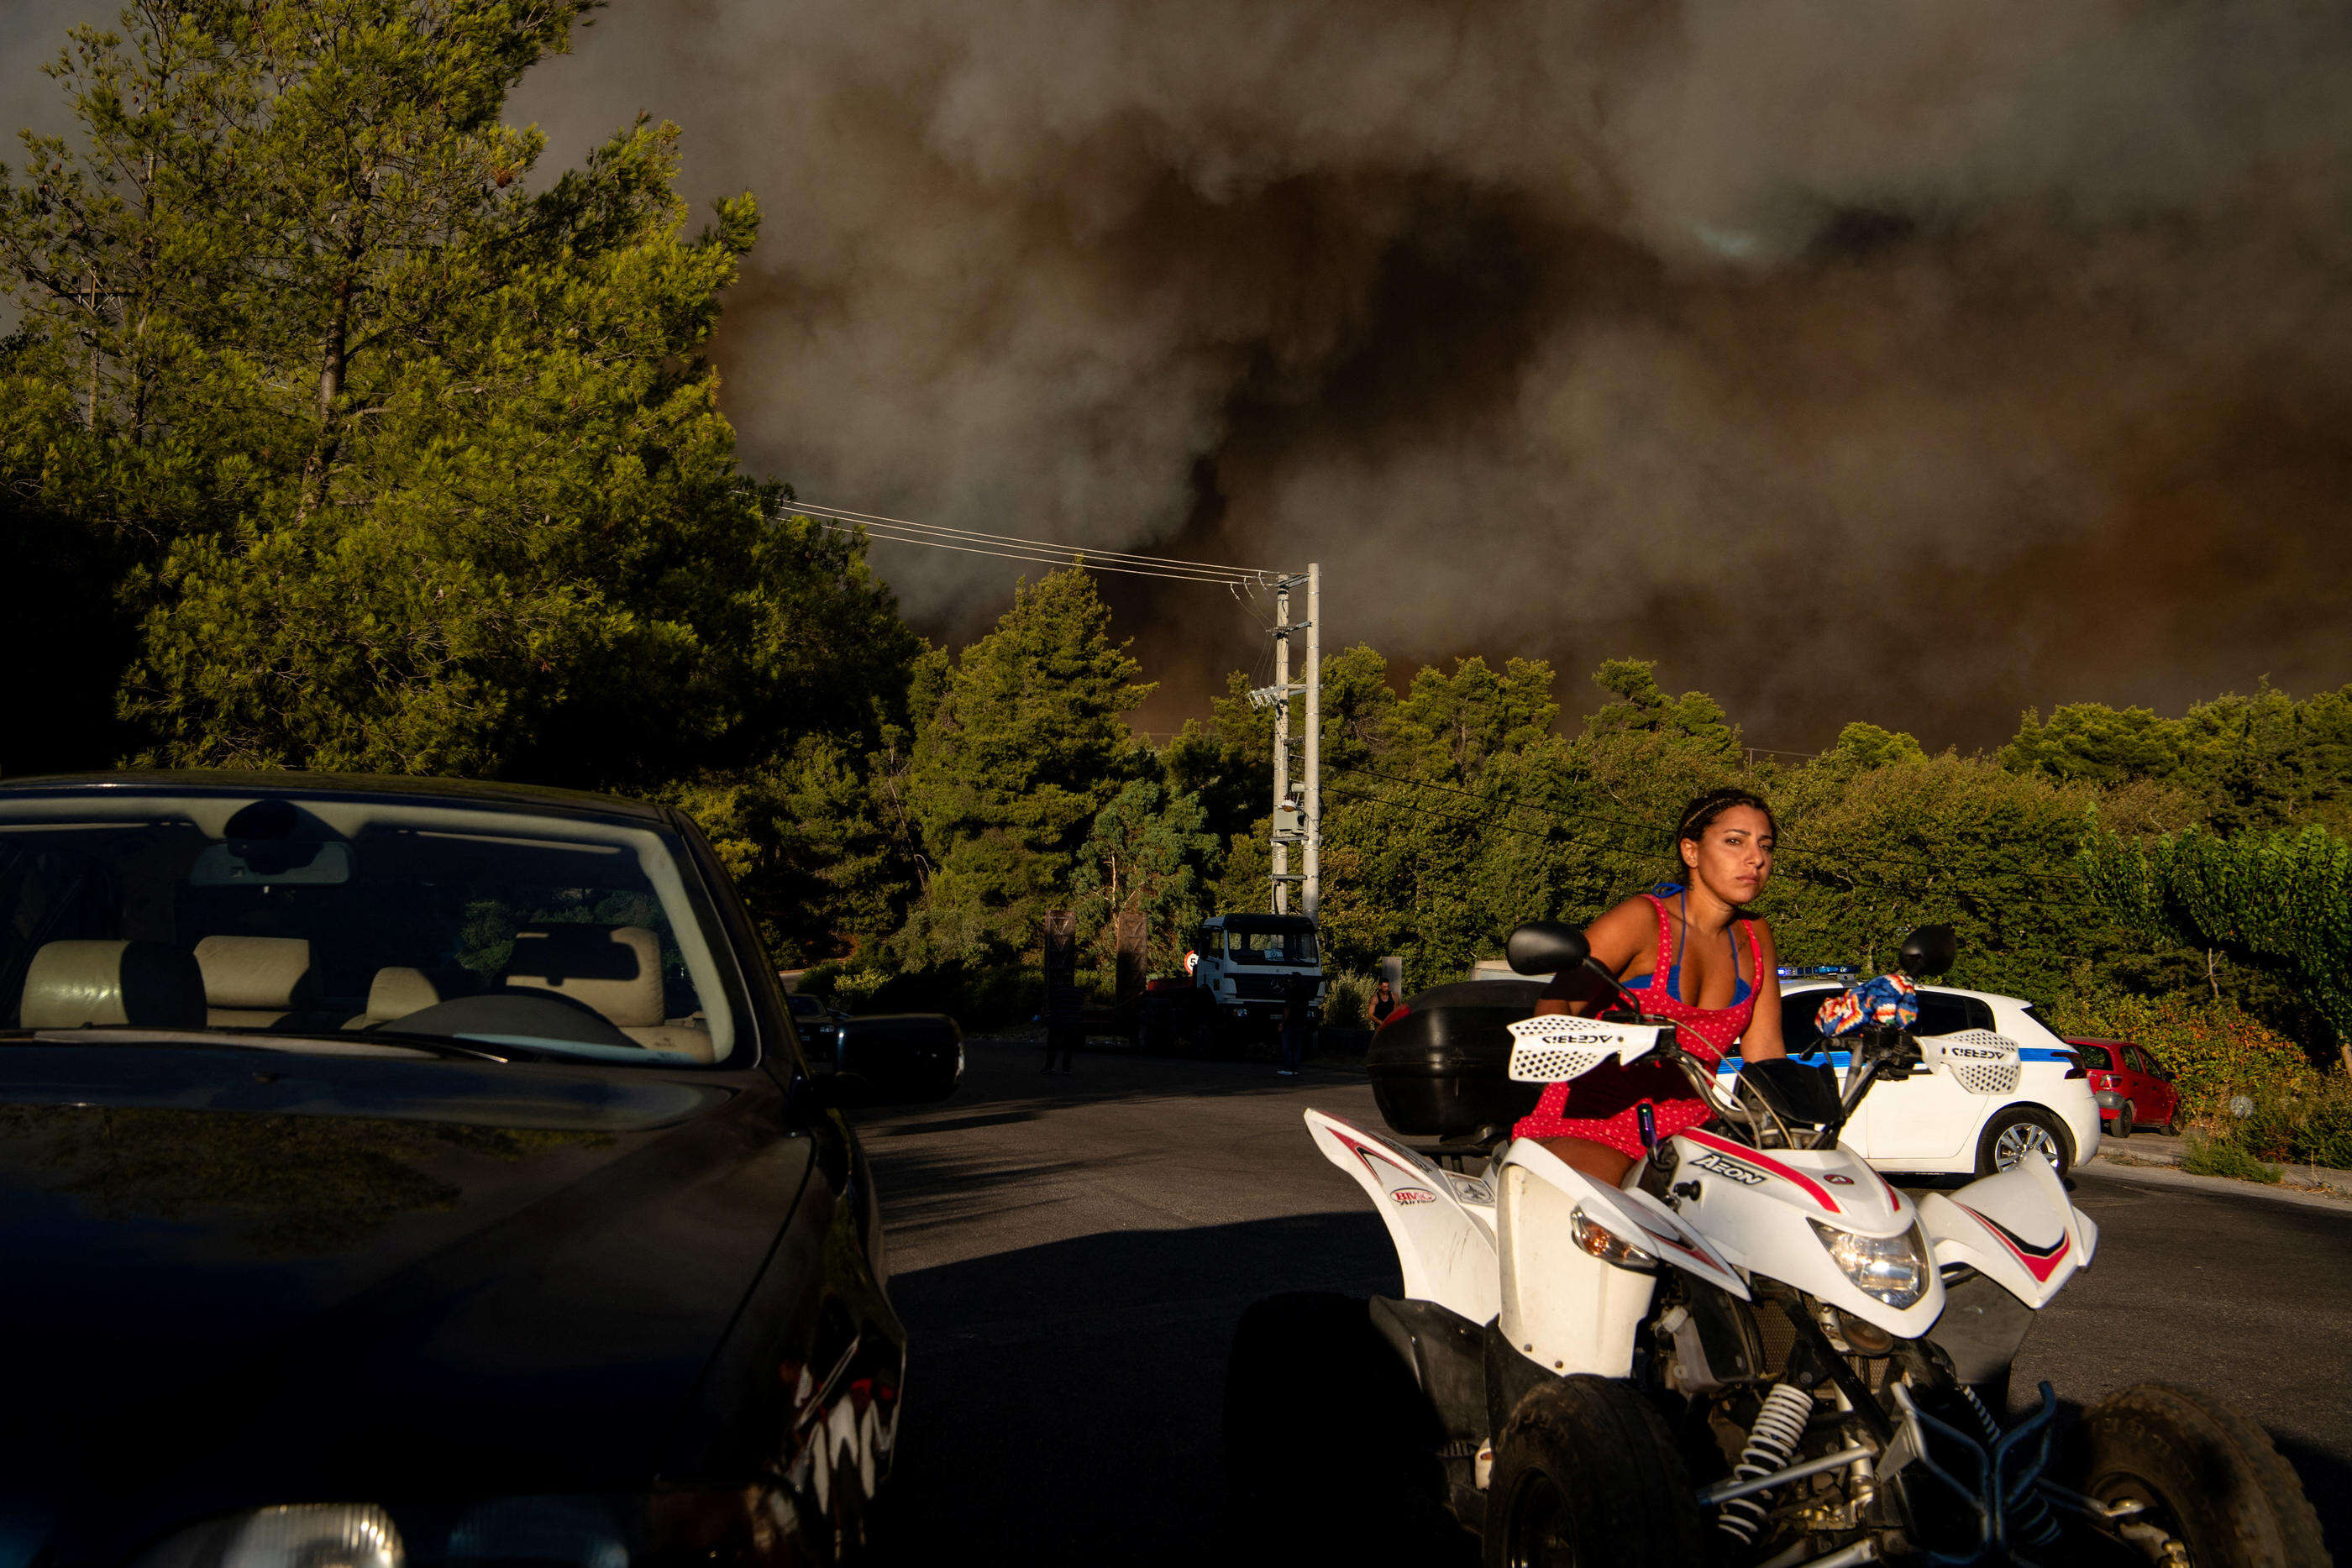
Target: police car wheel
2019 1132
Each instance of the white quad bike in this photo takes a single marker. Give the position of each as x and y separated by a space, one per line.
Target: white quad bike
1756 1352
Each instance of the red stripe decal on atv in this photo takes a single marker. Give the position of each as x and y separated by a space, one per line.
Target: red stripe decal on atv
1367 1153
1813 1188
2039 1261
1687 1252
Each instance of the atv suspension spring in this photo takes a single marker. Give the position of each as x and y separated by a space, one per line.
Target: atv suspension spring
1772 1444
2032 1524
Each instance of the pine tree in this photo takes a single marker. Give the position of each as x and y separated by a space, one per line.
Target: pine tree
424 462
1027 744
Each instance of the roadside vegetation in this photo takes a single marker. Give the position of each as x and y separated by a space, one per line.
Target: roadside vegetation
336 432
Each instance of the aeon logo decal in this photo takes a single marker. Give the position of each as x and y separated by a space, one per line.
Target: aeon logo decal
1715 1165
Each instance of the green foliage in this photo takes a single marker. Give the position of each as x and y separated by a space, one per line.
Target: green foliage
338 441
808 842
1149 850
2224 1157
2310 1123
1862 746
1866 855
1228 762
2285 897
2254 762
2093 742
1642 704
1348 1004
1026 746
2215 1050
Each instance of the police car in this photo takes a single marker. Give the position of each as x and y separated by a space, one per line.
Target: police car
1999 1084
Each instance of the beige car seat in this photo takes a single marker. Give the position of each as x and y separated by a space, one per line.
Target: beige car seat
395 993
72 984
253 982
615 970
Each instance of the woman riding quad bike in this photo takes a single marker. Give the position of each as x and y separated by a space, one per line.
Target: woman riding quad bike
1737 1343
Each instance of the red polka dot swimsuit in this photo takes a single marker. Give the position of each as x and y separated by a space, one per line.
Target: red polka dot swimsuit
1608 1100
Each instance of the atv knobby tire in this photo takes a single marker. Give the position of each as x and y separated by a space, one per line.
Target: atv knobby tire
1331 1448
2208 1476
1586 1476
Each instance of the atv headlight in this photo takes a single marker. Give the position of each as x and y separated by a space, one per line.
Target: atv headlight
1606 1244
1891 1269
302 1535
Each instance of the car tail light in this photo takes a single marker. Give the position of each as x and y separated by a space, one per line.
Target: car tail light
2077 1071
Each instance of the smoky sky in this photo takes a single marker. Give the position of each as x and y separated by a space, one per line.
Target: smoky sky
1915 360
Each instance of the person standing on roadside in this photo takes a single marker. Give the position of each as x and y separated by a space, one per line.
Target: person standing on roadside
1384 1003
1297 1009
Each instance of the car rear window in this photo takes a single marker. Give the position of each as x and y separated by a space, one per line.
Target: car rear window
1799 1032
1941 1012
2095 1056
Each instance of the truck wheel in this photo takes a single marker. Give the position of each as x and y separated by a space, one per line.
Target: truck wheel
2017 1131
2209 1482
1331 1448
1585 1476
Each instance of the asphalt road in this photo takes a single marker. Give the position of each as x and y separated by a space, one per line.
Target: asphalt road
1071 1254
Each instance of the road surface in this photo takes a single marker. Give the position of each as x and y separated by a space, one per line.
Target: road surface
1071 1253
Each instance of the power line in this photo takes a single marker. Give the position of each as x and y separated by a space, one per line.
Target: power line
975 542
1077 559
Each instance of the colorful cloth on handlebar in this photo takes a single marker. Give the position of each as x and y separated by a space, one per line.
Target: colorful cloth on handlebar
1608 1100
1888 999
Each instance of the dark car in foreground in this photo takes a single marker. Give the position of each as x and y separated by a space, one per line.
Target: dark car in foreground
398 1172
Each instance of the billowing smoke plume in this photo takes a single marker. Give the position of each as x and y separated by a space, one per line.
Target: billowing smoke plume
1913 362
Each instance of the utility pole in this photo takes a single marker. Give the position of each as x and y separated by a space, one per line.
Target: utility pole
1297 814
1310 888
1282 828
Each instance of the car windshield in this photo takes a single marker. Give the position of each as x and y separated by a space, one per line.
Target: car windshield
805 1007
358 920
1248 945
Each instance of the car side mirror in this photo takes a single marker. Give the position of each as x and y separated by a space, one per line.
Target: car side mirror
899 1059
1928 952
1546 947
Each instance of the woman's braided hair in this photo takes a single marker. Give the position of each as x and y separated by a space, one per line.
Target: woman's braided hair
1701 813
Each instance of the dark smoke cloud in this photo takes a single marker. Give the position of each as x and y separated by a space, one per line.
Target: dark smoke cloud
1907 361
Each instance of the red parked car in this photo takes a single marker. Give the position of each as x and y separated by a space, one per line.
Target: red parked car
2132 1087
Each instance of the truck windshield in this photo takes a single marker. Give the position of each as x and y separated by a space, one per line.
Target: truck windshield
1291 946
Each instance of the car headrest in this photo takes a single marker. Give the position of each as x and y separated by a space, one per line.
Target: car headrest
617 969
255 972
146 984
397 992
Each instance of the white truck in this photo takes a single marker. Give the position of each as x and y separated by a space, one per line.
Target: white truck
1243 966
